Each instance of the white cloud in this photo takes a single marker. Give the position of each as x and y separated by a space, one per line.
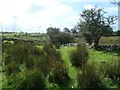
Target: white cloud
49 12
20 13
88 6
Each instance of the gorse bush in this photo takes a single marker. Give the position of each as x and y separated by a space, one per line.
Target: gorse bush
79 56
89 78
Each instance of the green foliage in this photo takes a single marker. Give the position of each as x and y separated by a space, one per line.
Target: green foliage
58 38
63 38
79 56
55 66
52 31
94 24
33 60
108 83
89 78
111 40
113 71
74 31
66 30
33 80
27 66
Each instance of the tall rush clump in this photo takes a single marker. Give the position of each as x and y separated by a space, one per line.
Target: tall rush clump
23 64
55 66
89 78
79 56
27 66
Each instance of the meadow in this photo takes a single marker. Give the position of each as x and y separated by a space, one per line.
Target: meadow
96 58
29 65
111 40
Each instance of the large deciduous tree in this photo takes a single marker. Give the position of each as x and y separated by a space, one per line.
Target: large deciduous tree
93 24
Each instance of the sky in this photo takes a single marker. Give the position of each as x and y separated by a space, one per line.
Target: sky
38 15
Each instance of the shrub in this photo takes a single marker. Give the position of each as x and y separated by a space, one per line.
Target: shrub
27 80
113 71
38 63
58 74
55 66
33 60
33 80
89 78
79 56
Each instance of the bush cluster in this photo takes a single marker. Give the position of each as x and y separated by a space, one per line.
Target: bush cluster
34 64
89 78
79 56
113 71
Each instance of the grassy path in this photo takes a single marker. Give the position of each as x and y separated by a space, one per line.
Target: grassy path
97 56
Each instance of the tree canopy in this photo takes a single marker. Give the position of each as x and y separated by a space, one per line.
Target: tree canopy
94 24
58 38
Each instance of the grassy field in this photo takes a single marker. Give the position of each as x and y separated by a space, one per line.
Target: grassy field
28 36
112 40
98 57
94 56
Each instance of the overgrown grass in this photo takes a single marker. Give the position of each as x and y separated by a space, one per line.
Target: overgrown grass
102 57
79 56
98 57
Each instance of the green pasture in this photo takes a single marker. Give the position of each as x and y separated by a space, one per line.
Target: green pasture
94 55
111 40
27 37
97 57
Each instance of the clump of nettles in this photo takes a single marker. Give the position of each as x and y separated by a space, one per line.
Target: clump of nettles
79 56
